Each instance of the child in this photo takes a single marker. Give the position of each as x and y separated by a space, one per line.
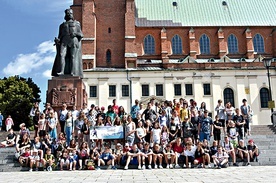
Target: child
41 127
24 157
220 158
146 154
155 134
217 129
253 150
169 155
73 158
232 133
106 158
10 139
164 134
157 154
64 159
34 160
243 152
49 160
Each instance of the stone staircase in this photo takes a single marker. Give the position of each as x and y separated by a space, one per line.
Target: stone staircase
263 135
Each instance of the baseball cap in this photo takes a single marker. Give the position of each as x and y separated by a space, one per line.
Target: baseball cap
250 140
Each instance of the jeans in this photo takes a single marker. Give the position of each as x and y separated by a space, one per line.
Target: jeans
53 133
68 132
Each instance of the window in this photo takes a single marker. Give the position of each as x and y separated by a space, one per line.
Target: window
145 90
176 45
204 43
149 45
93 91
177 89
112 90
264 96
159 90
258 42
108 56
189 89
232 44
207 89
125 90
228 96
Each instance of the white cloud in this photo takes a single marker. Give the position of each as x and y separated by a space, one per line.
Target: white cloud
47 73
26 63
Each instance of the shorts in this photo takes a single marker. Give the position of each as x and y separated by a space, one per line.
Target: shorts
203 136
199 160
190 159
222 122
217 136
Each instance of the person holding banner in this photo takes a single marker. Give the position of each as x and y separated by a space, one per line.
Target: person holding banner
130 131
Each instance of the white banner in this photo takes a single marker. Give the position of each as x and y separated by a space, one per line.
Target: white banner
107 132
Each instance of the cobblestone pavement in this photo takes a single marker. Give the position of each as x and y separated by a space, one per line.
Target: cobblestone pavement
231 174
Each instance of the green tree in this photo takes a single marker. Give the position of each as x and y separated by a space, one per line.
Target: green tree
17 95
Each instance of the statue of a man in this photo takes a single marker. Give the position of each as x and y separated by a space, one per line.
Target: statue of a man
68 60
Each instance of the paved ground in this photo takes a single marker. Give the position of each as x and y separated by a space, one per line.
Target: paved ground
231 174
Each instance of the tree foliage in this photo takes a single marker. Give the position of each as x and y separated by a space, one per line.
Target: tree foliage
17 95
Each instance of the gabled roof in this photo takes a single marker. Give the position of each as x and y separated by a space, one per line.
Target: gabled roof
192 13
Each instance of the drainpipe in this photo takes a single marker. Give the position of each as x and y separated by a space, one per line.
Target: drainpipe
130 89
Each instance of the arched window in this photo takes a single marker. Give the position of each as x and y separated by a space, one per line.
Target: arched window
149 45
228 96
258 42
264 96
204 43
108 56
232 44
176 45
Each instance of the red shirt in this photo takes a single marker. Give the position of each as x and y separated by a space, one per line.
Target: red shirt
178 149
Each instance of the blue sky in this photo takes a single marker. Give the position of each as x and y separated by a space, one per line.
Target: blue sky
27 33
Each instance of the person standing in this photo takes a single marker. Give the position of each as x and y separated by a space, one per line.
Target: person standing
62 117
134 110
1 121
9 123
221 114
246 113
205 127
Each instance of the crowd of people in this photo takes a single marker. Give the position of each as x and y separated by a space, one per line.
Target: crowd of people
173 134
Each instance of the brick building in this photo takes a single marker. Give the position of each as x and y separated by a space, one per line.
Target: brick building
206 50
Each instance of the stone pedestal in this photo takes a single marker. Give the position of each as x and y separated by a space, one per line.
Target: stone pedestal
66 89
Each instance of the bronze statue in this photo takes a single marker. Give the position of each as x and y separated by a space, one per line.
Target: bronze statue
68 59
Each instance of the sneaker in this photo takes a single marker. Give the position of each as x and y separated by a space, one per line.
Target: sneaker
114 168
160 166
139 167
248 164
209 166
149 167
109 167
235 164
219 167
36 169
155 167
199 166
177 166
48 168
215 166
257 159
125 168
98 168
184 165
171 166
143 167
30 170
168 167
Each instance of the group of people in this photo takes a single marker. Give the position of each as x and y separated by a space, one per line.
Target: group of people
169 133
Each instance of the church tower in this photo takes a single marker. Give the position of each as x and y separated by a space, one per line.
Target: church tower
103 26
